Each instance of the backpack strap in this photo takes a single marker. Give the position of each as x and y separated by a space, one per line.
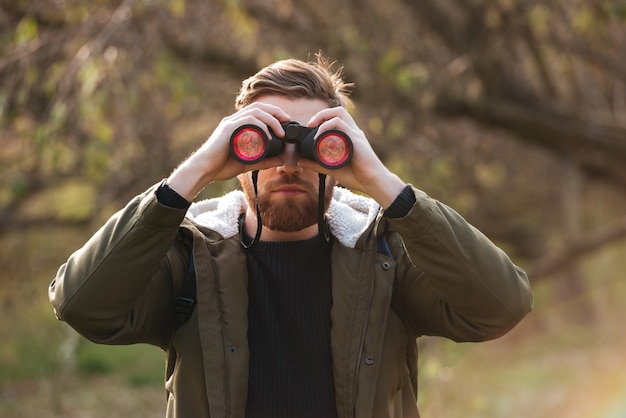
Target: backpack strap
186 301
382 247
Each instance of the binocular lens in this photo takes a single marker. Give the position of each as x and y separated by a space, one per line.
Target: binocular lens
333 149
248 145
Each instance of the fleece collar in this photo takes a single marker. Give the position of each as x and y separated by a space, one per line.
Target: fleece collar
348 215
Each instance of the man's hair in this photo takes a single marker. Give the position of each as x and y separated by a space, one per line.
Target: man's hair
297 79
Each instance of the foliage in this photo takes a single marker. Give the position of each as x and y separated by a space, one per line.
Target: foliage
511 111
463 98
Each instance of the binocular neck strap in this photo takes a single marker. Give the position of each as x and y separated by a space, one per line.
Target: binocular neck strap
322 226
259 222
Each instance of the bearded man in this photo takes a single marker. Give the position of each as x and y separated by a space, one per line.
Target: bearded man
308 298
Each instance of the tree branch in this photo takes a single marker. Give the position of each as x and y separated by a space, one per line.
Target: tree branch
553 263
597 148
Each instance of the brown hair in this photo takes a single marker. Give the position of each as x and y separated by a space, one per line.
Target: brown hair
297 79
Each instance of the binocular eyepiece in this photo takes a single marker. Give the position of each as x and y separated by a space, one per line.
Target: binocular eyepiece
249 144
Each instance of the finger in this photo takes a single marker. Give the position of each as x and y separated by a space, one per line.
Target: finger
271 109
329 114
267 117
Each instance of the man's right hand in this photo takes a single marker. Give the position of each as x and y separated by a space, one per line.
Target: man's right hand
213 162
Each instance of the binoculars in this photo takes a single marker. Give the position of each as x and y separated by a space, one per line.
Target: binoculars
249 144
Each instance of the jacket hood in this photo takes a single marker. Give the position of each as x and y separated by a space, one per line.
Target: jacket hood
348 215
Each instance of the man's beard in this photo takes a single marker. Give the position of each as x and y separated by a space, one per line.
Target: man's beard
287 214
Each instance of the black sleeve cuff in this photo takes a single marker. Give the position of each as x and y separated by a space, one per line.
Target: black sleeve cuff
168 197
402 204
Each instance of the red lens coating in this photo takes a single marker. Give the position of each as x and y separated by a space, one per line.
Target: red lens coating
333 149
249 144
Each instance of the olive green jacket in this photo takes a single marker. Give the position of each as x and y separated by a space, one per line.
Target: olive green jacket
445 279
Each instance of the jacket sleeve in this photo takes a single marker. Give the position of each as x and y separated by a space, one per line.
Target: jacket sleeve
117 289
453 281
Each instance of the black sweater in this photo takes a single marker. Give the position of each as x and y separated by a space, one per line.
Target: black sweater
290 299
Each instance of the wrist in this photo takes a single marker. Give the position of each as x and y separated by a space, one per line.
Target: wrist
186 181
387 190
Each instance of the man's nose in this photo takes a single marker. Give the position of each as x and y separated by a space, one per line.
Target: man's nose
290 156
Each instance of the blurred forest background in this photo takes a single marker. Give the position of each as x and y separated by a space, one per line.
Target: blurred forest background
511 111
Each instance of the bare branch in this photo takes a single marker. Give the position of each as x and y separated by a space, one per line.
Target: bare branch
555 262
598 148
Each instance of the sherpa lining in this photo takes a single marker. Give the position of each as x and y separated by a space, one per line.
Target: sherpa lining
348 215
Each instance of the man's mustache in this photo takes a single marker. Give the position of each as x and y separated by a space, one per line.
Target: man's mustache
291 181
